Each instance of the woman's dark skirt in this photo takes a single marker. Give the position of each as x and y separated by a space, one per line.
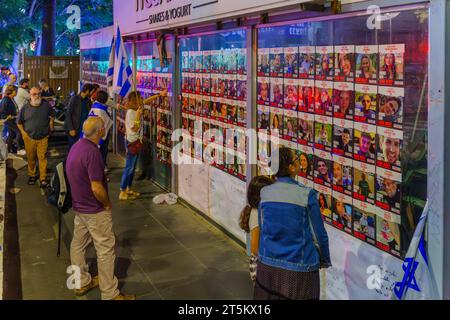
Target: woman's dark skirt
279 284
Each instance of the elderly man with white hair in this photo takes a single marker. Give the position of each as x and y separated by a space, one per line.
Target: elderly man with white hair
93 216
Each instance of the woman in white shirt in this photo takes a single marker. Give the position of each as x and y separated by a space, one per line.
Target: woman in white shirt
135 107
248 220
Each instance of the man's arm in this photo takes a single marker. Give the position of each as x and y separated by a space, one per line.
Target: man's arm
101 194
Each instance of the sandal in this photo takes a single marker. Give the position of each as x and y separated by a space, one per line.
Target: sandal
31 181
44 184
123 196
133 193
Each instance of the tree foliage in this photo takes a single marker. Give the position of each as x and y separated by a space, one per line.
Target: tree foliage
21 24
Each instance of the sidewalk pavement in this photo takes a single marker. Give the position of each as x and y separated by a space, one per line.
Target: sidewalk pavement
163 252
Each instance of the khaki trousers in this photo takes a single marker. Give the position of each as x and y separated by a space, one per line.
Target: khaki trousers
36 150
96 228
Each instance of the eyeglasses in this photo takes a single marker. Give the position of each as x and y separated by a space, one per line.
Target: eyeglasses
35 94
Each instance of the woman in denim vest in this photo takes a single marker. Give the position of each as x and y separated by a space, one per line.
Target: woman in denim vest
293 241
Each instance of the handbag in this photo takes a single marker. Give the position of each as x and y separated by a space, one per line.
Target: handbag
135 147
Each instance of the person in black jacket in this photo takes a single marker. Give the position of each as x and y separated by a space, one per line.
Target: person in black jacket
8 113
76 113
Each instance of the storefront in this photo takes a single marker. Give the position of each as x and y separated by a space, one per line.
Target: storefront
352 93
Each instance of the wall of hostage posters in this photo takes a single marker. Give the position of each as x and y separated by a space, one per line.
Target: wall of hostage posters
341 109
214 98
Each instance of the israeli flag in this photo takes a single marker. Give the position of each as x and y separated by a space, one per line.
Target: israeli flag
123 74
110 74
417 282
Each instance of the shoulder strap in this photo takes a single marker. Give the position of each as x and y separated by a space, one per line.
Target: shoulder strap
62 184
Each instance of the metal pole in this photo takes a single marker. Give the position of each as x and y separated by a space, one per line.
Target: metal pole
439 146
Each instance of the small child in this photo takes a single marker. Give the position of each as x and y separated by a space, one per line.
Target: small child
248 220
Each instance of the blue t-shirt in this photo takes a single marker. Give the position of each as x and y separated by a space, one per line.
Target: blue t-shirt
85 165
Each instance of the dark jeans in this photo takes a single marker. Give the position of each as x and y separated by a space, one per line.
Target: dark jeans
128 172
13 137
104 149
71 141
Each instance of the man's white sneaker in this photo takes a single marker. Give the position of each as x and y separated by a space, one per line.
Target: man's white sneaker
21 152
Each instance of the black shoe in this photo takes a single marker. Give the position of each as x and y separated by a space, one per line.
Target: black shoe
44 184
141 177
32 181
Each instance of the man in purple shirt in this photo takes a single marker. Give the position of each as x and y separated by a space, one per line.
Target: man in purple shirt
93 216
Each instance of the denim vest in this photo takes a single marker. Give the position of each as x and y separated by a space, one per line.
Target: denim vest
287 212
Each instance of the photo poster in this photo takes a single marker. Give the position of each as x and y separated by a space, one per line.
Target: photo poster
342 211
241 87
191 66
215 108
263 62
276 121
366 103
354 263
364 182
291 96
323 133
306 129
263 152
366 64
323 166
324 195
391 63
306 158
263 91
325 63
324 94
390 144
343 138
388 232
206 61
343 175
307 96
276 58
198 61
291 63
227 198
365 144
290 122
214 84
307 62
216 61
276 92
344 65
388 187
230 85
343 100
242 61
185 61
391 106
242 113
206 84
263 118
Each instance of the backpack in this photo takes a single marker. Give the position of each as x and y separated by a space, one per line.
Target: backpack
59 195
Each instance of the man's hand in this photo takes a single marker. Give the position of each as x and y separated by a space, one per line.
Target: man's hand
72 133
108 207
164 93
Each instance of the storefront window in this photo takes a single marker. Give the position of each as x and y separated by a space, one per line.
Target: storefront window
214 99
351 99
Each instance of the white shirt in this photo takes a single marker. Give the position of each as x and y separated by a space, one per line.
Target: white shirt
22 97
97 111
253 221
129 124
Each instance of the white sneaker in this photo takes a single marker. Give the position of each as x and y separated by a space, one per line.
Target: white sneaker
21 152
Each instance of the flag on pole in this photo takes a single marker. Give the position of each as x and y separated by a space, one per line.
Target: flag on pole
110 73
123 74
417 282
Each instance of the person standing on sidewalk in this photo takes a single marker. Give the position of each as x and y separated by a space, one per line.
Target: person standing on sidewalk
36 123
23 93
12 79
93 213
8 113
100 109
133 127
76 113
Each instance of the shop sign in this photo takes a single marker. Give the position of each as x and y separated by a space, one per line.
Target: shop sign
149 15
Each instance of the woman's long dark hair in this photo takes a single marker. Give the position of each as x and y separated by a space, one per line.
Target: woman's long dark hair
253 199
